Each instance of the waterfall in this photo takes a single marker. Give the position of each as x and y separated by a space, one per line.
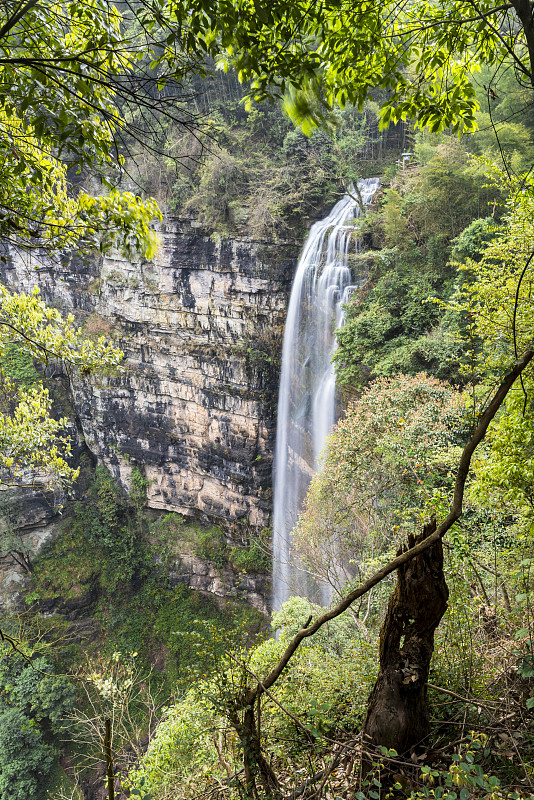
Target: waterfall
307 396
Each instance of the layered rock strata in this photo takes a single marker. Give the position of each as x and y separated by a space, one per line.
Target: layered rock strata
194 402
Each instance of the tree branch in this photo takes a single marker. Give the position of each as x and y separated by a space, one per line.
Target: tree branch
454 514
12 21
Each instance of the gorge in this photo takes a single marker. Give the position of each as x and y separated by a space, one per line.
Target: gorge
192 404
140 654
200 328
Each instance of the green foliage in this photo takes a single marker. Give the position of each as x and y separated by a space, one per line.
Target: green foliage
505 468
449 189
59 112
67 567
336 635
25 757
17 363
487 295
268 177
111 558
210 544
66 113
138 490
254 558
196 630
33 705
392 324
107 520
381 331
386 467
342 56
183 750
102 515
324 687
502 328
464 779
473 239
32 687
512 144
34 449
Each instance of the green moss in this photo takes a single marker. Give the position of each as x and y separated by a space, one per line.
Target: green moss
66 566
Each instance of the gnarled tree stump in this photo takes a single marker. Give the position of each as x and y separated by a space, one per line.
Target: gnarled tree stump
397 714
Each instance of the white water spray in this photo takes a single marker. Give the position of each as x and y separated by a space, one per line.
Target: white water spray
307 398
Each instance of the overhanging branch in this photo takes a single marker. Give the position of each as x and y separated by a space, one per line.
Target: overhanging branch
454 514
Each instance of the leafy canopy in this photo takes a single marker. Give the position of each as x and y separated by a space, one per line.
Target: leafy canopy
70 76
319 55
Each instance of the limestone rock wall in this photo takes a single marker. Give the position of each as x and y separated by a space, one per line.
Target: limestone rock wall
195 401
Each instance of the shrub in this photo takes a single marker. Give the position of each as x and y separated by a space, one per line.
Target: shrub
211 546
110 521
250 559
33 703
17 364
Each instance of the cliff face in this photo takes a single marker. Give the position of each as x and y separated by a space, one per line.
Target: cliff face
194 403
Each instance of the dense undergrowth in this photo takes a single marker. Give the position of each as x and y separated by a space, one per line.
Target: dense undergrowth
101 596
257 174
417 357
440 210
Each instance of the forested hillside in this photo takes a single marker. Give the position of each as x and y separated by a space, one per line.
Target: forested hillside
140 657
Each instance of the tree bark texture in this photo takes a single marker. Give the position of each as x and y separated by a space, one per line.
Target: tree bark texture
255 764
397 715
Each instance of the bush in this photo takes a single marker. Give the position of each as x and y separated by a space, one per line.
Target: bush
211 546
250 559
110 521
33 704
17 363
25 758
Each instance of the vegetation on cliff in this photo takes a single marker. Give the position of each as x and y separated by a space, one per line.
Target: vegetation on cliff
288 717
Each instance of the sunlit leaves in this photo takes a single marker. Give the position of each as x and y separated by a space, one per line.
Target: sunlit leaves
32 449
44 332
60 88
503 274
73 103
33 445
423 54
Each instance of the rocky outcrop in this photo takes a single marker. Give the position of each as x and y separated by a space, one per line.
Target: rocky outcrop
203 576
194 403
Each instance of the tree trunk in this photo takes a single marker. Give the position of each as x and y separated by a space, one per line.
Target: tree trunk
397 715
255 764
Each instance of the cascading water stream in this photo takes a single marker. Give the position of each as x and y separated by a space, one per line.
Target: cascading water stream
307 397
